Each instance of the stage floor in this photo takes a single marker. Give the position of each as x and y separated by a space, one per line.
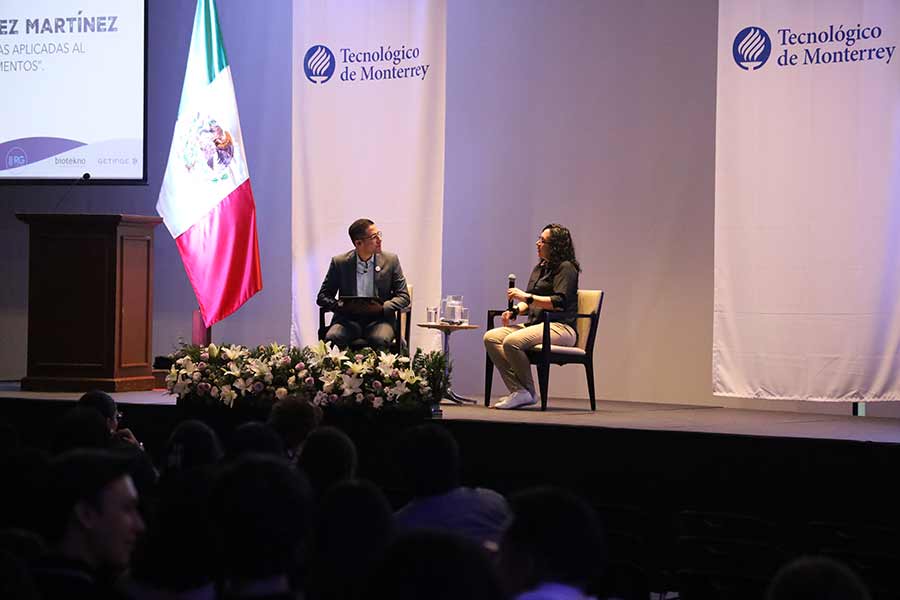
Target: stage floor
612 415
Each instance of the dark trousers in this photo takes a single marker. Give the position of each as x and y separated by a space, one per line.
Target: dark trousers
377 333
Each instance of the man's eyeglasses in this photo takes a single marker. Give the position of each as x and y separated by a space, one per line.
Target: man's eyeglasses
375 236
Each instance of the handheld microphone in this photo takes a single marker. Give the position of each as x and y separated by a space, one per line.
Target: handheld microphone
75 182
512 284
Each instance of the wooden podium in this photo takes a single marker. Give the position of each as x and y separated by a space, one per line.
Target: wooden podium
90 302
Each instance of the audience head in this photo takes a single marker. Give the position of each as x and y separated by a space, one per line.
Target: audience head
429 457
93 508
354 526
254 437
434 565
81 427
293 419
15 578
328 456
554 536
192 444
179 551
104 404
816 578
261 511
355 519
25 477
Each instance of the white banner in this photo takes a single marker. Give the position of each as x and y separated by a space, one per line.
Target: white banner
368 142
807 257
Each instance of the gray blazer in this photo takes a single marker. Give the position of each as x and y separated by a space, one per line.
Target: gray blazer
390 284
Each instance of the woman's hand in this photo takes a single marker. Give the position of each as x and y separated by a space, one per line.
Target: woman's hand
516 294
507 317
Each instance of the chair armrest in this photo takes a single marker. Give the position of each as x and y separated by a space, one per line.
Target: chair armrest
492 316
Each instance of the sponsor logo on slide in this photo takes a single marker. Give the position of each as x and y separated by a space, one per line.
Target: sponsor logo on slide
318 64
16 157
751 48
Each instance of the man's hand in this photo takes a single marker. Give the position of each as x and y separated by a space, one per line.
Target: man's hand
126 435
507 317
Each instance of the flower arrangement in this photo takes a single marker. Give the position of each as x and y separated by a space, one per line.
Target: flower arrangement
328 376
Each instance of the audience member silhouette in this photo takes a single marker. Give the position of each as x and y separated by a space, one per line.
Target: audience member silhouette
353 528
92 525
178 554
328 456
24 477
261 514
192 444
15 578
554 547
254 437
434 565
429 458
106 406
816 578
293 419
81 427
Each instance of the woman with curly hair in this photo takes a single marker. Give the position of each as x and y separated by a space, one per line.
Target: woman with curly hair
553 285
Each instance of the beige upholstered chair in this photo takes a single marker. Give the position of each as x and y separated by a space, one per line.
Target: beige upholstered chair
590 302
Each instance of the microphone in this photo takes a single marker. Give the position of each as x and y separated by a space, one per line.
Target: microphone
75 182
512 284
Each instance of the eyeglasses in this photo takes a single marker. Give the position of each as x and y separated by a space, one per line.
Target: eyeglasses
119 416
375 236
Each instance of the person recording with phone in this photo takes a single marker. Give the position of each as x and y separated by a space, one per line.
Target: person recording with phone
553 285
366 272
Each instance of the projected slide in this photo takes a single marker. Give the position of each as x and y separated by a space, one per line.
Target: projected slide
72 89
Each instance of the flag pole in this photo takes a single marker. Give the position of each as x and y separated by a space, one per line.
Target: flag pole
201 335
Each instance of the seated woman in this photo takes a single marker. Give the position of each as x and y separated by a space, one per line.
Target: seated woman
553 285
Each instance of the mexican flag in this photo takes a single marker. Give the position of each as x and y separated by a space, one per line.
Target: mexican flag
205 200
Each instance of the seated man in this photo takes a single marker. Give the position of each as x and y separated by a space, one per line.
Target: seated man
364 271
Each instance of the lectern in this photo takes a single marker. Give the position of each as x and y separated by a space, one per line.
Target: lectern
90 302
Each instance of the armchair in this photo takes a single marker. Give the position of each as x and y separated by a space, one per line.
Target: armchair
590 302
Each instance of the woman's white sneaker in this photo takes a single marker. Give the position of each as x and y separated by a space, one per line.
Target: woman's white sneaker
516 399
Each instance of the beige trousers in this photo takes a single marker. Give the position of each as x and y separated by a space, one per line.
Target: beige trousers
507 345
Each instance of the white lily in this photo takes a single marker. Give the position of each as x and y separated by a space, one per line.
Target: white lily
351 385
398 389
241 385
358 369
337 355
228 395
233 352
187 366
213 351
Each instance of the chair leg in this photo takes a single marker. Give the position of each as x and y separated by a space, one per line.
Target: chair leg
544 383
589 371
488 378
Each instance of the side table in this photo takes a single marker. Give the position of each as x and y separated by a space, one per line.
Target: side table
446 329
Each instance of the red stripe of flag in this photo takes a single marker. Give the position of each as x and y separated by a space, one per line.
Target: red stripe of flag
221 255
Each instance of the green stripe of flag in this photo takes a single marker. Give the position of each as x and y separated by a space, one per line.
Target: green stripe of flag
206 56
206 28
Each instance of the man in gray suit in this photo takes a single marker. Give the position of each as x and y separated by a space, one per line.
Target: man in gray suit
364 271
